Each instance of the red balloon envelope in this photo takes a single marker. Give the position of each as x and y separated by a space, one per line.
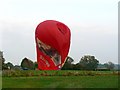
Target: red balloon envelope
52 44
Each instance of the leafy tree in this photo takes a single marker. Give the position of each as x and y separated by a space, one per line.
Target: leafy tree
77 66
88 62
17 67
3 66
69 59
109 65
68 64
9 65
27 64
35 65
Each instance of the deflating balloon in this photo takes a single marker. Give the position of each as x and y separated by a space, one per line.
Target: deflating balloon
52 44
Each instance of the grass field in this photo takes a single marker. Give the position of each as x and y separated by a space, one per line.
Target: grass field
0 80
62 79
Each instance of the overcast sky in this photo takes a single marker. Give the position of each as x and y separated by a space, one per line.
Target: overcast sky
93 24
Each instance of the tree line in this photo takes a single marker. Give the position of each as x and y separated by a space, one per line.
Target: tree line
87 62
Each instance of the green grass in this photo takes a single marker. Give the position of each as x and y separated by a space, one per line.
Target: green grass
0 80
61 82
60 79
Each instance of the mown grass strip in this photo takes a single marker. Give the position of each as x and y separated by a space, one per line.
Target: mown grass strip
30 73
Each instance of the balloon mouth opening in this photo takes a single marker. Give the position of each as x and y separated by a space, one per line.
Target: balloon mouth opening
51 52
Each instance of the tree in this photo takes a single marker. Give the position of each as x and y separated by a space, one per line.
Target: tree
17 67
77 66
69 59
68 64
35 65
3 66
109 65
9 65
27 64
88 62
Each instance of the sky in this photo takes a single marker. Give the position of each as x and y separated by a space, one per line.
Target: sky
93 25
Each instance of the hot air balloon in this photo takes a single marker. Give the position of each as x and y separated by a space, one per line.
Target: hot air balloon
52 44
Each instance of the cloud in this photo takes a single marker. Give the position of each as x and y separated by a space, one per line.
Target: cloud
18 41
100 43
93 27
